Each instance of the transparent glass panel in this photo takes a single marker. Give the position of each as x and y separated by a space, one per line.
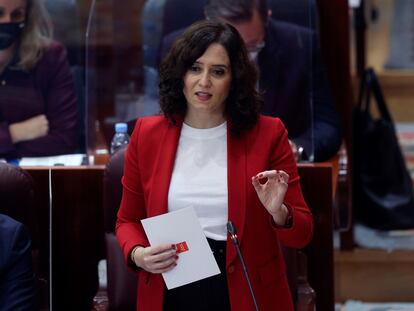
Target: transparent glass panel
125 44
98 41
299 65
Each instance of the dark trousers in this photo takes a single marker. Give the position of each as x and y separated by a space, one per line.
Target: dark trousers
204 295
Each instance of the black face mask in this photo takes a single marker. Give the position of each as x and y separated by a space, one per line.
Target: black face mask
9 33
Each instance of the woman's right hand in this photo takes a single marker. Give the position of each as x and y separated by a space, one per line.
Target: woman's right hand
155 259
29 129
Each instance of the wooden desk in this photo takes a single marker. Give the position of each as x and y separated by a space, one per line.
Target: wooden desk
78 234
317 188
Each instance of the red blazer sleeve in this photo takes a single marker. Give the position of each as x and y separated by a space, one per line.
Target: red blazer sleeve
282 158
129 230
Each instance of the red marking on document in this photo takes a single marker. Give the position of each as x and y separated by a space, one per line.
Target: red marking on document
181 247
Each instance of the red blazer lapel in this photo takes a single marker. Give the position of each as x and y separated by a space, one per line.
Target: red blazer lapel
158 198
236 180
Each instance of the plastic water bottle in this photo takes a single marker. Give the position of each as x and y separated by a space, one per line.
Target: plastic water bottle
121 137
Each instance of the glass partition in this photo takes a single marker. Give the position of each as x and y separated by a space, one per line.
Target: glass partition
115 71
126 44
114 51
98 78
305 82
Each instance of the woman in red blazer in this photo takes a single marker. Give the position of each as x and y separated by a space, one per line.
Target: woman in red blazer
212 150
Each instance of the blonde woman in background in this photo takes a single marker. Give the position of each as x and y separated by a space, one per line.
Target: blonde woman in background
38 109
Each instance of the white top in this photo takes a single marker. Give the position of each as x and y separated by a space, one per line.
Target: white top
199 178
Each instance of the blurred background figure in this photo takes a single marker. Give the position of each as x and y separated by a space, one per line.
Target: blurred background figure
38 107
292 77
151 19
67 27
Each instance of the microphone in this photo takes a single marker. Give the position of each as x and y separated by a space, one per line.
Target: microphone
232 231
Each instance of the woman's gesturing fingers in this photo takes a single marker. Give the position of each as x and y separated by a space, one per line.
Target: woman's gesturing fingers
271 187
273 175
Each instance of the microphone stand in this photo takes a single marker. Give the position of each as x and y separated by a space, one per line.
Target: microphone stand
232 231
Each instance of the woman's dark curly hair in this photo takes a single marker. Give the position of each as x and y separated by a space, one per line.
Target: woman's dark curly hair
243 102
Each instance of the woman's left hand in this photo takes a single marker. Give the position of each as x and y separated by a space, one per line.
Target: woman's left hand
272 193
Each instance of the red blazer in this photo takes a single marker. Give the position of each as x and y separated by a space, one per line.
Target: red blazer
149 163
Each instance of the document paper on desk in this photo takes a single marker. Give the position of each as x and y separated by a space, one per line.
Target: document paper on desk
180 226
64 160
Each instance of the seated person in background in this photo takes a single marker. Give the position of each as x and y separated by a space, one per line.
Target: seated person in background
292 78
38 109
16 273
212 150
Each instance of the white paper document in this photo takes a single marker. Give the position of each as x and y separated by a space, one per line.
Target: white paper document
182 226
63 160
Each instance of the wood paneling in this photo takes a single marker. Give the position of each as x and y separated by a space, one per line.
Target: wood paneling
335 47
374 275
77 233
316 182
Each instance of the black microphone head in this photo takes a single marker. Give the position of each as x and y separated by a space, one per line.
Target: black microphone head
230 228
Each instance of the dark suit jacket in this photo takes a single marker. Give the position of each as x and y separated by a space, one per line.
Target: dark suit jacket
295 88
149 163
16 274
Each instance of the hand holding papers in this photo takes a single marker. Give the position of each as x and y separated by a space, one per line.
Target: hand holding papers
183 229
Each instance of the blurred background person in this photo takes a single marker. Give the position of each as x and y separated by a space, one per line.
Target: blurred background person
38 107
17 291
212 150
292 77
151 19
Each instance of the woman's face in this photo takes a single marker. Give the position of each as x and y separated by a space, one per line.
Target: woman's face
207 82
12 11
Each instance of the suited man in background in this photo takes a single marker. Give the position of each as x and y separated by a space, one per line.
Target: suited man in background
292 78
17 291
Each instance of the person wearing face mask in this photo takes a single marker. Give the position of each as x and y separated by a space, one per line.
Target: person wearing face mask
38 109
9 32
292 77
